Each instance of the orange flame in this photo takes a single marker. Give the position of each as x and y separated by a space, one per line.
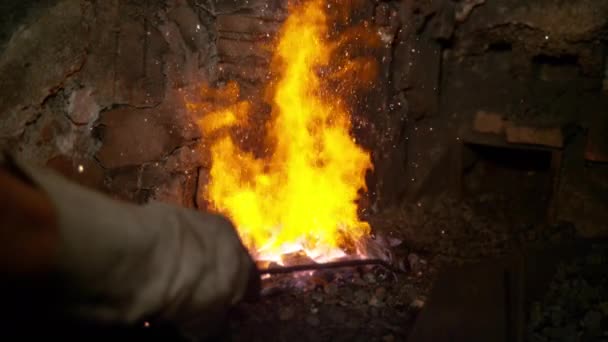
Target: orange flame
302 195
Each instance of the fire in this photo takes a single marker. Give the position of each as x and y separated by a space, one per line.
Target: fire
302 194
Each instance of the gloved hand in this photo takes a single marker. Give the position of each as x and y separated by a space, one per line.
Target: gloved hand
254 284
124 263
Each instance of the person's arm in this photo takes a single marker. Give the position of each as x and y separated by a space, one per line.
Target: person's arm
28 228
123 263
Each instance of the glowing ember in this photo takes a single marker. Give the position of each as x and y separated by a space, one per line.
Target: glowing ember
302 194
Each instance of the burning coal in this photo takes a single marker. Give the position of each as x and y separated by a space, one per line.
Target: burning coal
302 195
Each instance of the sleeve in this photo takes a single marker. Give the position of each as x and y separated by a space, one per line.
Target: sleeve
124 263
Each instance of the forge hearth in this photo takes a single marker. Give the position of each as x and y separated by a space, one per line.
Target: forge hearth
348 304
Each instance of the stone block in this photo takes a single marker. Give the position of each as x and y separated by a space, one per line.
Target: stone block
236 49
136 136
195 35
185 158
416 68
139 78
267 8
245 24
428 165
153 83
485 122
551 137
178 190
99 71
36 63
82 107
130 56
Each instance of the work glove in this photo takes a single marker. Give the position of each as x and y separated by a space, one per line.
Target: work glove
122 263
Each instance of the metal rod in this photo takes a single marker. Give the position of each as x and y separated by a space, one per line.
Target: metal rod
324 266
